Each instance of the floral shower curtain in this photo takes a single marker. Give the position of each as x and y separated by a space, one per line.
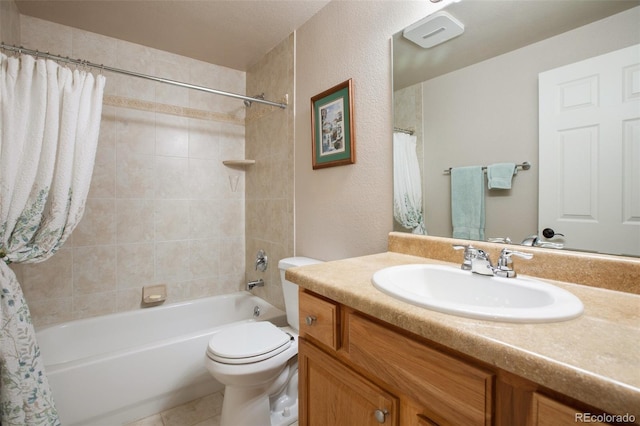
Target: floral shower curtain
49 125
407 187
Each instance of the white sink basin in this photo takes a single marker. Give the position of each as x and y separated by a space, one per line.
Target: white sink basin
454 291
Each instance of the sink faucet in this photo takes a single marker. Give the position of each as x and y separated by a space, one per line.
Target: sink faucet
535 241
479 262
475 260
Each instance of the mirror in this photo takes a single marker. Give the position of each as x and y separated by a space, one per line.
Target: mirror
474 100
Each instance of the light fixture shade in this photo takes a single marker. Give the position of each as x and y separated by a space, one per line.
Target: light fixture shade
434 29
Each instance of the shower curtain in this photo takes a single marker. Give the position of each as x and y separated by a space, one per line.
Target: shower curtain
407 184
49 124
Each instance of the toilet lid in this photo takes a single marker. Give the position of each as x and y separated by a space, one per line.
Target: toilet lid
248 342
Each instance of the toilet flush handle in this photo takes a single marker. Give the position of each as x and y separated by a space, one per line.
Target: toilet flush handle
310 320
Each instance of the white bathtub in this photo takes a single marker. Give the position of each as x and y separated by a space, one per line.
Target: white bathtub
117 368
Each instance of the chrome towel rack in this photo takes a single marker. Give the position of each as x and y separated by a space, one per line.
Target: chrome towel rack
523 166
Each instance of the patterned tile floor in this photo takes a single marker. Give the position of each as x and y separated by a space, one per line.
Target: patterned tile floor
200 412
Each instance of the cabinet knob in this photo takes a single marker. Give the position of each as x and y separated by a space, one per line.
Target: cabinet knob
310 319
381 415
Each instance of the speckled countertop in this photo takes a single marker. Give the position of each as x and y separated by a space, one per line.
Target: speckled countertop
593 358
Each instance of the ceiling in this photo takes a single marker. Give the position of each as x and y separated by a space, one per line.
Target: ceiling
494 27
230 33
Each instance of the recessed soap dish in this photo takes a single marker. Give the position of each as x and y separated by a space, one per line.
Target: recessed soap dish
154 294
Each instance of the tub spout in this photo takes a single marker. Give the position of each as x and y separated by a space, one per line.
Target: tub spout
255 283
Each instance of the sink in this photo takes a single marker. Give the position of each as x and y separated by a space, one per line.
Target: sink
458 292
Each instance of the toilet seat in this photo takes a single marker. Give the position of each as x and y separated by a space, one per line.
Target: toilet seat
248 343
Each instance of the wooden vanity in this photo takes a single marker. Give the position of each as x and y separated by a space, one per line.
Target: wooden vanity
366 358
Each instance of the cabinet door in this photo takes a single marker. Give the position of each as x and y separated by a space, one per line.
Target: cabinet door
451 391
332 394
549 412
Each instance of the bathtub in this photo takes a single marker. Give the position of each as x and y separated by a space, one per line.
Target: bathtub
121 367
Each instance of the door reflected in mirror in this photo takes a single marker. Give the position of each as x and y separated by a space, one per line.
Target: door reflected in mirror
475 101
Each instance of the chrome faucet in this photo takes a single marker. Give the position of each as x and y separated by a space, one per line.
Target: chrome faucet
535 241
261 261
256 283
479 262
475 260
503 269
469 253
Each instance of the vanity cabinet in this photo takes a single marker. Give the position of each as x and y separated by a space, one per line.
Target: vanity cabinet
367 373
356 370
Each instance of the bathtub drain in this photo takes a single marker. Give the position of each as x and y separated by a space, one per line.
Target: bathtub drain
256 311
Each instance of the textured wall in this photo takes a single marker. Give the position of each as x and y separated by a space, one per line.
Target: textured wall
347 211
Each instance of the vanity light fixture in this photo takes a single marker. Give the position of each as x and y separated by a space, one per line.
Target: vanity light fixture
433 30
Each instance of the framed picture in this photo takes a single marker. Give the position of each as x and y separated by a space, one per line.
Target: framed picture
333 138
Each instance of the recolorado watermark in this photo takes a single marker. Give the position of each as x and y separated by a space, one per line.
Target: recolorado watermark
604 418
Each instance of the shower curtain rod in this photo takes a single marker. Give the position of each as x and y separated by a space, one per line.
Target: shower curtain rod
84 63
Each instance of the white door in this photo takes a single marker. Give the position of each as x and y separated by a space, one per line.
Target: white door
590 152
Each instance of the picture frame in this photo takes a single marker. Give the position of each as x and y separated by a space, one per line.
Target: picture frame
332 132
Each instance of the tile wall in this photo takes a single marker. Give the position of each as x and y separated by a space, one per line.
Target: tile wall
160 208
269 193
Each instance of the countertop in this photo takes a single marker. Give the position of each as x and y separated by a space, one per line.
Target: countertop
593 358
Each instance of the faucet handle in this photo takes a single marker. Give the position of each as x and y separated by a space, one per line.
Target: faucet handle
261 261
507 253
503 240
470 252
502 269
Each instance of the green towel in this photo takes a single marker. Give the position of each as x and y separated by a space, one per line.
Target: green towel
467 202
499 175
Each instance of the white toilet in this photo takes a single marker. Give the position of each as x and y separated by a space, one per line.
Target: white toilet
258 364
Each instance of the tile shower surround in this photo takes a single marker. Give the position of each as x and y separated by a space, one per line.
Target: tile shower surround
160 208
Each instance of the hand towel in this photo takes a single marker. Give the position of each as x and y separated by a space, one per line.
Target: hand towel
467 202
499 175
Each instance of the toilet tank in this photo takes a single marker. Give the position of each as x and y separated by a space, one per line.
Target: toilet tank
290 290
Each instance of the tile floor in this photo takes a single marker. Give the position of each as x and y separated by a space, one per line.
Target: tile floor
200 412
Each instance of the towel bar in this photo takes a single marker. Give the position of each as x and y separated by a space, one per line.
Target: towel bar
524 166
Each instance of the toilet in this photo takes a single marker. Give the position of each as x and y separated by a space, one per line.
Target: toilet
258 364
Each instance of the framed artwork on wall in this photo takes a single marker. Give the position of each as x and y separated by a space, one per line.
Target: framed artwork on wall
332 133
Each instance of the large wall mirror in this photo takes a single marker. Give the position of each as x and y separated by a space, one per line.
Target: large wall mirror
493 95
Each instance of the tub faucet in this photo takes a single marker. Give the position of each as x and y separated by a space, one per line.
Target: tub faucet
255 283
